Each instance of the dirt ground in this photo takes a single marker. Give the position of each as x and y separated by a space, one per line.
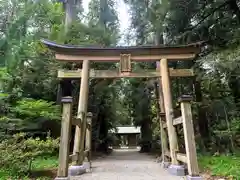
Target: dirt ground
127 164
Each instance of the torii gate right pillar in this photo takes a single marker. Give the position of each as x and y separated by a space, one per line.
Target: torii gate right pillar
167 94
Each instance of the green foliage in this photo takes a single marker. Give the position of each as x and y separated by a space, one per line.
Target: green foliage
216 87
28 79
28 72
18 152
103 14
26 115
89 36
225 62
30 108
42 168
45 162
223 165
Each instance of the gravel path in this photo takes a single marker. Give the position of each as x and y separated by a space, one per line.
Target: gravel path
127 164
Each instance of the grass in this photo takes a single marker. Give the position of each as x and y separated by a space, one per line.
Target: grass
222 165
42 168
45 163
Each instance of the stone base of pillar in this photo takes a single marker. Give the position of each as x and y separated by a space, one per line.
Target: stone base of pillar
62 178
194 177
76 170
176 170
87 166
165 164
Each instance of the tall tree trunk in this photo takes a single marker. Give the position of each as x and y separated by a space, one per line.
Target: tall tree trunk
65 86
202 119
146 135
146 123
234 84
59 93
70 12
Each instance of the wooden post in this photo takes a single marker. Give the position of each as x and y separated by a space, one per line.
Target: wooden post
189 135
161 118
88 141
82 110
167 96
163 137
65 136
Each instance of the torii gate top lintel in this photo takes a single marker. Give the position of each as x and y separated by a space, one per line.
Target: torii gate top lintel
124 55
73 53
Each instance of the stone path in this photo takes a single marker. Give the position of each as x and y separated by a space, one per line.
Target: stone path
127 164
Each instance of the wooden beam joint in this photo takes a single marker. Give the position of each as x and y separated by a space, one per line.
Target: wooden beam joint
177 121
185 98
180 156
73 158
162 114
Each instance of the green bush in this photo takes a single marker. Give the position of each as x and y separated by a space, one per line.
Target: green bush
221 165
27 115
18 153
31 108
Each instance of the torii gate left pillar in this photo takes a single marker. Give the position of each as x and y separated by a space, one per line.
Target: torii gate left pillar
80 131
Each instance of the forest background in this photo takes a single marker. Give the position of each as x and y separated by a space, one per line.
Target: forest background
29 99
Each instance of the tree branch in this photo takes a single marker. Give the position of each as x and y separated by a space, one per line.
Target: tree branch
209 14
187 30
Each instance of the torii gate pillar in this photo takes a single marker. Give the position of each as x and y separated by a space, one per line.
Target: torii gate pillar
80 131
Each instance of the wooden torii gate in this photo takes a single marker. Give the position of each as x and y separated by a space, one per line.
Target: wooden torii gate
124 56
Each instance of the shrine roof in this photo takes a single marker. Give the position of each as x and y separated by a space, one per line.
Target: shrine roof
115 51
126 130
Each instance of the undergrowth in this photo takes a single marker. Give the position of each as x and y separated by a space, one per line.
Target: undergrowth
222 165
21 156
42 168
